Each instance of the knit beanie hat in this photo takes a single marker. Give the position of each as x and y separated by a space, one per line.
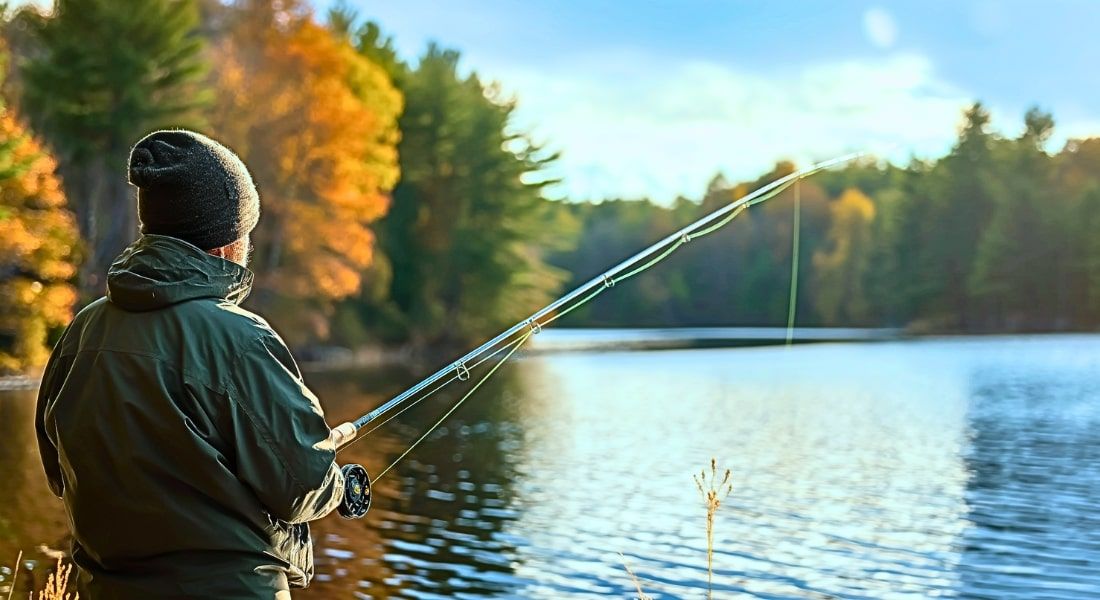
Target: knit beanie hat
192 188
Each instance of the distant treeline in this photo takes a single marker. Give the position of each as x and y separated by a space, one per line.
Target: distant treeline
998 235
400 206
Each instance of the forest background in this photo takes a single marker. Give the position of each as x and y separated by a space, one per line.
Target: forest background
403 209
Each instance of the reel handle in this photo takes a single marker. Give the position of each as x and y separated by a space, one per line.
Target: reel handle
357 493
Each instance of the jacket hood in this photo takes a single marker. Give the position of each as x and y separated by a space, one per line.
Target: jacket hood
157 271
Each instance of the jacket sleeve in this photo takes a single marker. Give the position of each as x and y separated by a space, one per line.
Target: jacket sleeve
52 378
280 435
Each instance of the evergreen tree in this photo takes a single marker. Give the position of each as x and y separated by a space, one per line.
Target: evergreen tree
1085 258
101 74
469 226
368 38
961 191
1075 227
1013 269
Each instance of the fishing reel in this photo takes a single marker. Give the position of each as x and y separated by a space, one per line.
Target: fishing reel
356 500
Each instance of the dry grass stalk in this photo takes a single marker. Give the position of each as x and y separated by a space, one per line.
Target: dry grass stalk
637 584
713 493
15 574
57 583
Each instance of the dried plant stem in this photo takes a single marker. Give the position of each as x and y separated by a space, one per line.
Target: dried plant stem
637 584
713 492
15 574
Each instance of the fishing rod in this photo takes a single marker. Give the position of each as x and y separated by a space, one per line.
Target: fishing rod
358 482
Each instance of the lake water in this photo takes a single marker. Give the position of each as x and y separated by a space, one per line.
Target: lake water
965 468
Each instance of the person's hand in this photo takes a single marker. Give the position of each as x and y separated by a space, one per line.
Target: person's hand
342 434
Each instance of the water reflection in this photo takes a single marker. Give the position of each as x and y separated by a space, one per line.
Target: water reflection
842 485
436 526
962 468
1035 462
31 518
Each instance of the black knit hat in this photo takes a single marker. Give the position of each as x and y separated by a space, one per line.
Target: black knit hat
192 188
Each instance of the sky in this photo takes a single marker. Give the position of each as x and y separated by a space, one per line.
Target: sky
653 98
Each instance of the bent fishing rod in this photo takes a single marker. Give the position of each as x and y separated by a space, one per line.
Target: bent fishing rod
358 483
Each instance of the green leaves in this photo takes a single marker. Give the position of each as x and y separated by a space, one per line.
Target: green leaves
107 72
468 222
100 74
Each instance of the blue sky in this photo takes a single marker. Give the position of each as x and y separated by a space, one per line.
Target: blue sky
652 98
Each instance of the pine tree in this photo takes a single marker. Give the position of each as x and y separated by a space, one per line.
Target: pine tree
1013 262
469 225
962 191
102 74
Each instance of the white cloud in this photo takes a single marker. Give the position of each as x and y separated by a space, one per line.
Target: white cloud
880 28
631 126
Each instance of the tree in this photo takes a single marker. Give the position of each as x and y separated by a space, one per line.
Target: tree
469 226
739 275
101 74
840 267
1077 212
1086 255
38 249
613 230
896 231
317 125
1013 268
367 38
961 192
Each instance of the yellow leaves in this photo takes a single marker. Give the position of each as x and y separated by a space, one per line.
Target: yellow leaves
840 263
850 215
51 302
853 204
55 304
38 239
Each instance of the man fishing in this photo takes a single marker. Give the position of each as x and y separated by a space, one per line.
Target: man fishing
173 423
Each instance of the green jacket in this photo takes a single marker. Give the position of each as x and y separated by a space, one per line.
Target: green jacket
177 429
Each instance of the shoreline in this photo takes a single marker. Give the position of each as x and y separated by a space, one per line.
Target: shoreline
11 383
332 359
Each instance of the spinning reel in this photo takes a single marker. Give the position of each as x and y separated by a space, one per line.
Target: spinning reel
356 500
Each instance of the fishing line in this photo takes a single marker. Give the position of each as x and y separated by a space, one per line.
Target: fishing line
425 396
507 341
465 397
357 483
796 233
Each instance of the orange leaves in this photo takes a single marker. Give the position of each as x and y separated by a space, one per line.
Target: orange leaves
317 125
38 238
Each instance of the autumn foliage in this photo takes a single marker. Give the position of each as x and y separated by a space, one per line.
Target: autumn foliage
317 124
999 234
839 264
38 237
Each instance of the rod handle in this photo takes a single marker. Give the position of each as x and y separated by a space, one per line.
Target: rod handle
343 434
